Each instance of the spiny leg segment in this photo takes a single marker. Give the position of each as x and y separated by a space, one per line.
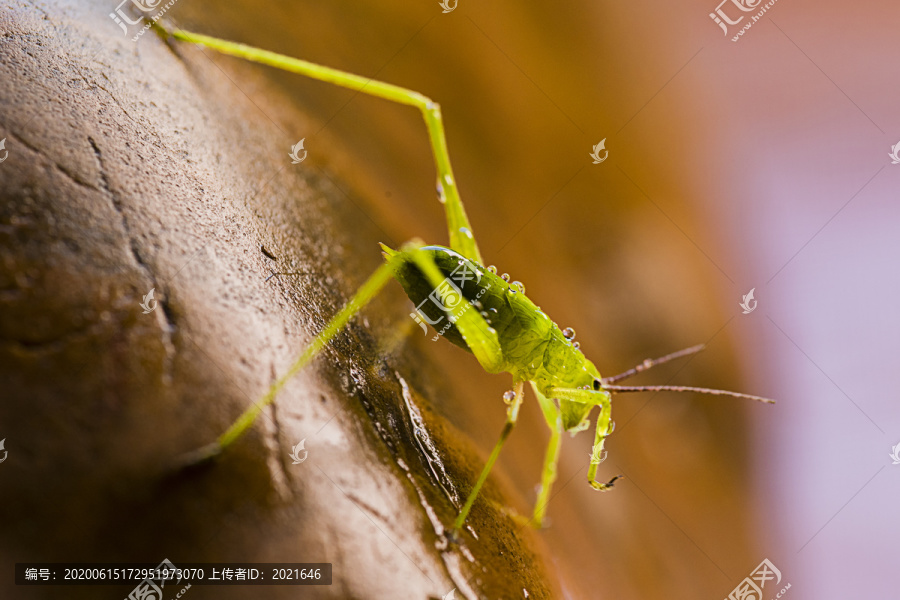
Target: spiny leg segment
461 237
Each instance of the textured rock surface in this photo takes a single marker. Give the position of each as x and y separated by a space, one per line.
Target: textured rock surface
134 167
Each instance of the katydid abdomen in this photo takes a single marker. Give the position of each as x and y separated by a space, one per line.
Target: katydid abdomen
534 348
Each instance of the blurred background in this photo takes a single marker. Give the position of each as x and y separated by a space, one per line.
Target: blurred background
758 164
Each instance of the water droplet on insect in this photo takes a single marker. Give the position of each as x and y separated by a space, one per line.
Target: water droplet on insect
569 333
520 285
440 193
492 269
492 310
576 345
611 428
448 179
466 233
505 277
484 314
509 396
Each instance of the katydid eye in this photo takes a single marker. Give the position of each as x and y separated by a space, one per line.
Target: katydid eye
596 385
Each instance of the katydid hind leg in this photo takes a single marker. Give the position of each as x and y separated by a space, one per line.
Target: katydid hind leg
462 239
363 295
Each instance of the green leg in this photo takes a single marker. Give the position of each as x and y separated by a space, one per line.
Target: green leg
553 417
462 239
601 398
368 291
512 414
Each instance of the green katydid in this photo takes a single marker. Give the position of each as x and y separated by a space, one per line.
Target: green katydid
475 309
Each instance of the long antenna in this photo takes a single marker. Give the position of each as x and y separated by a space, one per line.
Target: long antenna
681 388
652 362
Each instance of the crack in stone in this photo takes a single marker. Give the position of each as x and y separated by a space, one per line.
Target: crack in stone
277 467
165 315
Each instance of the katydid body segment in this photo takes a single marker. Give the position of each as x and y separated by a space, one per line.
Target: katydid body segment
469 305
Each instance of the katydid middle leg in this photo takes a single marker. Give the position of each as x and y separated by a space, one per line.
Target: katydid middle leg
553 417
512 415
